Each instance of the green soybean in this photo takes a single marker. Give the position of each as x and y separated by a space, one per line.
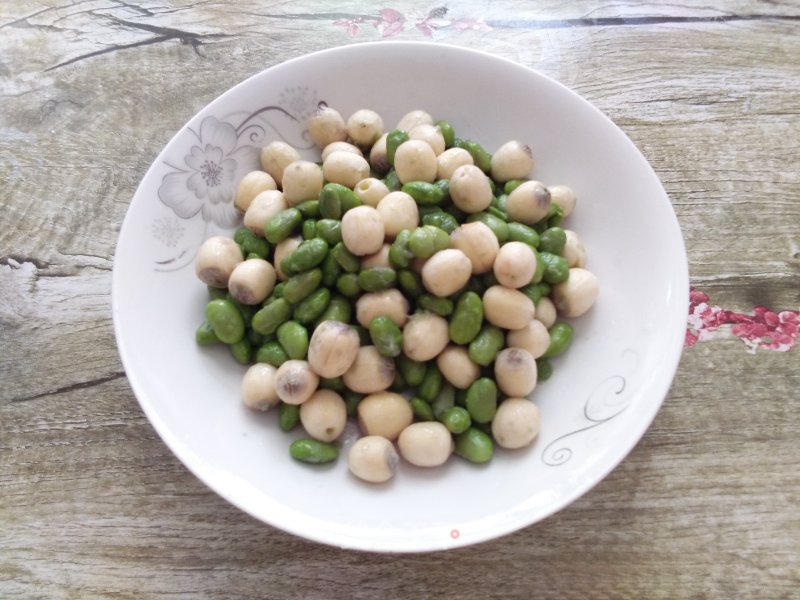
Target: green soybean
307 255
226 320
309 209
446 398
330 270
484 347
392 181
512 184
441 306
338 309
351 400
348 286
288 416
393 139
498 226
431 385
544 369
204 335
293 338
300 286
398 382
556 268
336 199
413 371
242 351
410 282
272 353
442 220
309 229
329 230
518 232
421 409
346 259
497 213
474 445
535 291
555 216
560 339
215 293
424 193
281 226
467 318
426 240
553 240
375 279
456 419
447 133
386 336
256 338
481 400
313 451
267 320
277 291
400 255
312 307
250 243
332 383
481 158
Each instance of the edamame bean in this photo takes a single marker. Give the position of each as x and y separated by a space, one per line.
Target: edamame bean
425 241
431 384
518 232
456 419
410 282
392 181
376 279
393 139
424 193
413 371
498 226
399 382
313 451
399 254
422 410
467 318
481 400
512 184
497 213
544 369
348 286
560 339
204 335
442 220
474 445
242 351
226 320
309 209
307 255
351 400
250 243
336 199
272 353
441 306
556 268
330 270
267 320
332 383
484 348
312 307
281 226
300 286
346 259
553 240
215 293
329 230
338 309
288 416
535 291
447 133
482 159
446 398
309 229
386 336
293 338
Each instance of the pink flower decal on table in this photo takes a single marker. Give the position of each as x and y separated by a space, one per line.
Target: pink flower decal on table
209 173
764 329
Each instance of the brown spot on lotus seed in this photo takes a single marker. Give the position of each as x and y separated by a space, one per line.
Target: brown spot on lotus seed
214 276
527 150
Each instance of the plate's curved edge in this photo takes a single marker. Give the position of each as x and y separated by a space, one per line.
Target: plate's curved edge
497 529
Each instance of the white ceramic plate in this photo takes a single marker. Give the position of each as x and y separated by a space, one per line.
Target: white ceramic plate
605 390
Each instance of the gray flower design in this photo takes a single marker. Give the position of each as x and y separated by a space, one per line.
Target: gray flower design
207 183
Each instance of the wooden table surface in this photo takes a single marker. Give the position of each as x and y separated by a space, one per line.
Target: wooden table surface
94 505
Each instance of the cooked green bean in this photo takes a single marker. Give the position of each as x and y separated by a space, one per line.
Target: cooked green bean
481 400
313 451
560 339
272 353
467 318
474 445
226 320
300 286
293 338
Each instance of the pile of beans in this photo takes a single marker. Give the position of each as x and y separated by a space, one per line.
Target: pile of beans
411 280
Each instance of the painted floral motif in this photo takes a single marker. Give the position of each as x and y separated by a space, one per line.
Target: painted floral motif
168 231
764 329
390 22
209 173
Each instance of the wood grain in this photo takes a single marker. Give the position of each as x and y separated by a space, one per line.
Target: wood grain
93 504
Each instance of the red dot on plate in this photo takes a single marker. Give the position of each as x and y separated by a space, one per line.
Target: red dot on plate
454 534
